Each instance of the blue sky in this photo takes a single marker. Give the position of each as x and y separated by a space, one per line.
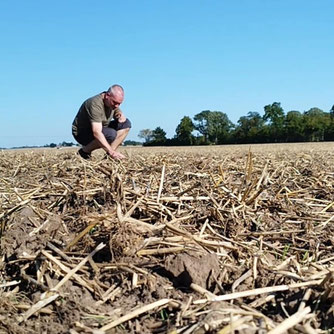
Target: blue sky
174 58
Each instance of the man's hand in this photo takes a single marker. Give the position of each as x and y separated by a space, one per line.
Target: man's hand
116 155
109 148
119 116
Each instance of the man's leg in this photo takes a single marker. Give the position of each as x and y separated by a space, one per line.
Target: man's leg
114 138
93 145
110 135
122 130
84 139
115 134
121 135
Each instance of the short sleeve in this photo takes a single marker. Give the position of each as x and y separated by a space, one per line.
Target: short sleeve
95 111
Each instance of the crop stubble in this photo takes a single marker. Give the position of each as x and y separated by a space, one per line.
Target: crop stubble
176 240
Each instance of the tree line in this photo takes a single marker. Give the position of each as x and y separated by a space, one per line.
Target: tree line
63 144
214 127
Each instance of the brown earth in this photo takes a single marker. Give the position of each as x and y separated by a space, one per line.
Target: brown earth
224 220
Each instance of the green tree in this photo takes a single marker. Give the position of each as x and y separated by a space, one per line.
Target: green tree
66 144
249 128
294 126
202 125
329 132
274 116
215 126
316 121
145 134
131 143
184 131
158 136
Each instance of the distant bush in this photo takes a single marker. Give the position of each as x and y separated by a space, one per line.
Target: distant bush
132 143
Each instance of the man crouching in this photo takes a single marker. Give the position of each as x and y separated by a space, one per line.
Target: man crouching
100 123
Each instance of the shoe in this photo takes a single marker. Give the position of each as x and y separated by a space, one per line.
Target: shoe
84 155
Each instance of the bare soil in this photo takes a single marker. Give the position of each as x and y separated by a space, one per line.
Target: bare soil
182 227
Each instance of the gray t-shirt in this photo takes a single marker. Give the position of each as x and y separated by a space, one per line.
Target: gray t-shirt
92 110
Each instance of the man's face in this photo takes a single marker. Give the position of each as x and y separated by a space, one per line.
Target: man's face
114 100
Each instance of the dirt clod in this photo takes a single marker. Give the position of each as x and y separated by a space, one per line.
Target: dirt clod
193 268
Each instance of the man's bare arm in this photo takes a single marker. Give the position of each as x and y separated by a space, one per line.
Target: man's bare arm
119 116
99 136
121 135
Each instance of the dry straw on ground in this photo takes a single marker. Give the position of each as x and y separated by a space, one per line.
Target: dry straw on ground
233 239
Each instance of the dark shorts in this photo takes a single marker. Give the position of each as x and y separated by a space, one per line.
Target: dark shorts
109 132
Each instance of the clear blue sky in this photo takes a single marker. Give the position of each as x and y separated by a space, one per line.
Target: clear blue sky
174 58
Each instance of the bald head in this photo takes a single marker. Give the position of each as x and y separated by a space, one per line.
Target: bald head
114 96
116 91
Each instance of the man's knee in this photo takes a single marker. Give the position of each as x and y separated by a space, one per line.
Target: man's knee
114 124
110 134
